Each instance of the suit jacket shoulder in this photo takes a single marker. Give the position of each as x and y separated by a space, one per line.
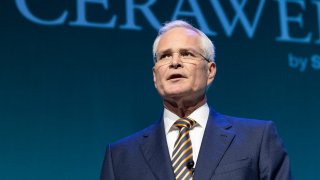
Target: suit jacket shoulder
241 148
143 155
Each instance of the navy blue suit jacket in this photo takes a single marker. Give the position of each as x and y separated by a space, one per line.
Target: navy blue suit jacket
232 149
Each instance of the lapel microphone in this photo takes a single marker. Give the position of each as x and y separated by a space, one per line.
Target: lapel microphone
190 165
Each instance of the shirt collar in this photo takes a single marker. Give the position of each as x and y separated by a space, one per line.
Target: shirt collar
200 115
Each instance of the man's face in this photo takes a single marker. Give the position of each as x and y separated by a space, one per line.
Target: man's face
177 78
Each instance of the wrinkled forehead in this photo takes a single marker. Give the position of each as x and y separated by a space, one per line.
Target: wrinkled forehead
179 38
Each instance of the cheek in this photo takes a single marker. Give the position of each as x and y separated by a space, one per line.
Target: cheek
200 77
159 78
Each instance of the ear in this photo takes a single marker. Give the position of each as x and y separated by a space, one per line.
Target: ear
154 77
211 72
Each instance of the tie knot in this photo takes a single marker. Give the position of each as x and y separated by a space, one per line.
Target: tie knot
185 122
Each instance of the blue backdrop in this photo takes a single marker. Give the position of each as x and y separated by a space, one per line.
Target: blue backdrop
76 75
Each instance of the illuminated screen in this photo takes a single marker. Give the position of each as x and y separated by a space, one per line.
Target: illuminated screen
77 75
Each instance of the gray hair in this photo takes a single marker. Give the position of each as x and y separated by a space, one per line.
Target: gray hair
206 44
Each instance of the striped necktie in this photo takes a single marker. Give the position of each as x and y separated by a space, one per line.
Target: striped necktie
182 160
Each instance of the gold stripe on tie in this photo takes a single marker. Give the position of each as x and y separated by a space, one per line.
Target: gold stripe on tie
182 151
183 161
180 147
179 139
181 172
182 154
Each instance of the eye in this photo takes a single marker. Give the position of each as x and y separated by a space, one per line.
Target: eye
165 56
187 54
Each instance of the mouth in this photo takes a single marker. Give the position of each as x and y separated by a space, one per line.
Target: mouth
175 76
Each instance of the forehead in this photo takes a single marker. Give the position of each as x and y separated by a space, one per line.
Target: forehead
178 38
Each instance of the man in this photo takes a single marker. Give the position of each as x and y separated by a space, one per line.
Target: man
192 141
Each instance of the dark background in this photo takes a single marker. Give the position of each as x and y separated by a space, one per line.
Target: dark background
67 91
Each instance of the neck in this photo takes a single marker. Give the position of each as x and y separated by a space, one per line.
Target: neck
183 108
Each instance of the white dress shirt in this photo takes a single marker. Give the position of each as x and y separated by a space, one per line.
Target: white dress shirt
200 115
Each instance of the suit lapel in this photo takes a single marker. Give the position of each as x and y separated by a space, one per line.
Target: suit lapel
215 142
155 150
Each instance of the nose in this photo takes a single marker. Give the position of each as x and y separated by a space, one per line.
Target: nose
176 61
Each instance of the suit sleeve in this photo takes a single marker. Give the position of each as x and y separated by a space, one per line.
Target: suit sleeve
274 161
107 168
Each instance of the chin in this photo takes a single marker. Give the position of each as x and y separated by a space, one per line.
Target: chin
175 92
